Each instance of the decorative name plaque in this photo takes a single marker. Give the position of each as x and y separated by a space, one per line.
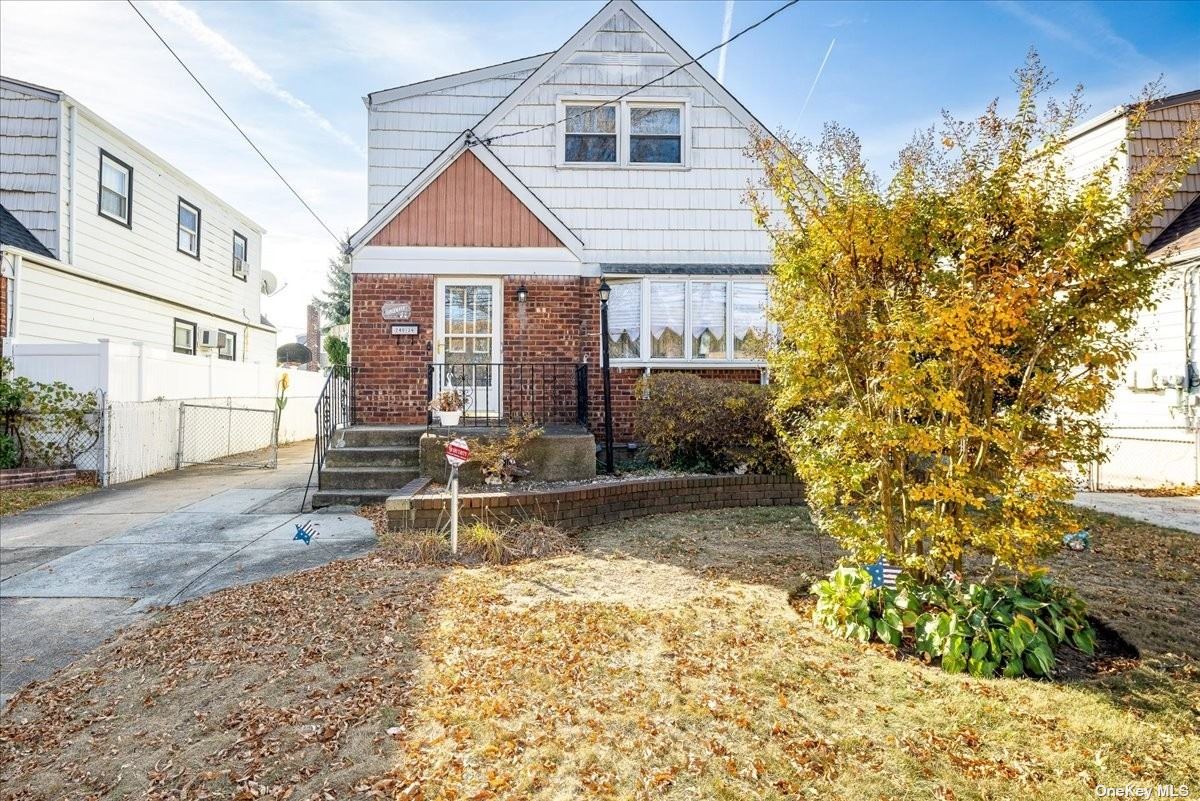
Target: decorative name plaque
396 310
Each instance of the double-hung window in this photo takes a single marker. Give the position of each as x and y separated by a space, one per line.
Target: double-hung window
240 251
185 337
227 345
591 134
655 134
623 133
116 189
189 229
681 319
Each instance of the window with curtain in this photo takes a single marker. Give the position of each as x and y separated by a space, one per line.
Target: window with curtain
189 228
708 320
591 134
116 189
655 135
625 320
749 320
668 302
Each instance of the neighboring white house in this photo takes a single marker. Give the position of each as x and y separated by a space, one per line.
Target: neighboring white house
1153 424
101 239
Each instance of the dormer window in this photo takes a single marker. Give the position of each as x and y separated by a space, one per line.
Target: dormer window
591 134
639 133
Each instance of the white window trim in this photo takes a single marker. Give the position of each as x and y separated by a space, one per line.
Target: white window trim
645 360
566 103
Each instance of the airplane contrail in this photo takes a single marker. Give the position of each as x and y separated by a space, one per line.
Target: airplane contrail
813 88
725 28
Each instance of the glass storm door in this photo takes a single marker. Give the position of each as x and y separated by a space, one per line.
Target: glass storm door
467 334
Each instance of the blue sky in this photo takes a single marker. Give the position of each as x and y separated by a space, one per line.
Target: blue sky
294 73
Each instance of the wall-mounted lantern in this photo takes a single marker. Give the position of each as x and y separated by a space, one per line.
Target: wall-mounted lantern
522 294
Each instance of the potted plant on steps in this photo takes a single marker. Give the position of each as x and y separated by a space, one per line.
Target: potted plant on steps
448 405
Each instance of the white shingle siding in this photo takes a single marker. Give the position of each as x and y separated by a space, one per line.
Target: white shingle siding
638 214
404 135
29 148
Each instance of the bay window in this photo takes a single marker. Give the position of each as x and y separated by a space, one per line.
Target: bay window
688 319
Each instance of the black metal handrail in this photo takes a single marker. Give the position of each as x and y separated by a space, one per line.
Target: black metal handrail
334 410
494 393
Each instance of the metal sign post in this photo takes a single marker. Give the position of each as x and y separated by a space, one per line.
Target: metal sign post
458 452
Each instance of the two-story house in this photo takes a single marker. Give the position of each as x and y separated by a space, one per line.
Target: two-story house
103 239
1153 424
501 201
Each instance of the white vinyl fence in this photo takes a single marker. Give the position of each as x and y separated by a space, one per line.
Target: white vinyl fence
144 388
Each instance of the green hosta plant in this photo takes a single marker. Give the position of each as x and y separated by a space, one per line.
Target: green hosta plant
982 629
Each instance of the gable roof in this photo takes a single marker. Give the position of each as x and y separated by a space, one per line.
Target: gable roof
455 79
439 165
1182 234
590 28
15 234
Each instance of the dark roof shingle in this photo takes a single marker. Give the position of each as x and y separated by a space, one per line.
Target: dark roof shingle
13 233
1183 233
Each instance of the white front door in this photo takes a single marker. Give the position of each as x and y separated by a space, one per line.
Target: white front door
467 329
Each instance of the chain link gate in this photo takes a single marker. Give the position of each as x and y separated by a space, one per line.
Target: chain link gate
233 436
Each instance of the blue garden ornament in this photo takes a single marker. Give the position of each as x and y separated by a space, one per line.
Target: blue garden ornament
306 531
1078 540
882 573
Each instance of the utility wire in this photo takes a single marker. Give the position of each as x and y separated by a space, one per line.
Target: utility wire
245 136
664 76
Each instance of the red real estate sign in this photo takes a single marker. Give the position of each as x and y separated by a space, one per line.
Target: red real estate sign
458 452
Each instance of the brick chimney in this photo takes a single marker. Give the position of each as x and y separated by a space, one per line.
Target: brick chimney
313 337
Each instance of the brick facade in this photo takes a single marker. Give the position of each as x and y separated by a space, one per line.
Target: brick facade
595 504
558 322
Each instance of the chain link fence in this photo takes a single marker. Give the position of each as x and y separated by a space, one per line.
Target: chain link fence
234 436
71 438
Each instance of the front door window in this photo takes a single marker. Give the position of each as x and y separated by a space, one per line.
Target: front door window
467 341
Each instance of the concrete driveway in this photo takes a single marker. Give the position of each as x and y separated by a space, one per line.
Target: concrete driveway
1180 512
74 573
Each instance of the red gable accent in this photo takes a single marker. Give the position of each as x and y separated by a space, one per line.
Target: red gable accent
466 206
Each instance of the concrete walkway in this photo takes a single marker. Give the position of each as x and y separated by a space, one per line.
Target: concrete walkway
1180 513
74 573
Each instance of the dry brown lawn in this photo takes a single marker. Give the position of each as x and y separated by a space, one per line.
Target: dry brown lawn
21 499
660 660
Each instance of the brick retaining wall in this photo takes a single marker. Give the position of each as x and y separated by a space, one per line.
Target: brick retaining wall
40 477
604 502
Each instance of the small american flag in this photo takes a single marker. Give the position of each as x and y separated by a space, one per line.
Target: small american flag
883 574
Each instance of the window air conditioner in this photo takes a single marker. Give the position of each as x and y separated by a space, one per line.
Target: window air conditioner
209 338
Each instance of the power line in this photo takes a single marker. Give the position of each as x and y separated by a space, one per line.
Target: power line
664 76
245 136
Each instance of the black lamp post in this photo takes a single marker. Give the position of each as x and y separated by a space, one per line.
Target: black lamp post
605 291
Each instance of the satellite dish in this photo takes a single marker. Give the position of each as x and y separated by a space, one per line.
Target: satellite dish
270 284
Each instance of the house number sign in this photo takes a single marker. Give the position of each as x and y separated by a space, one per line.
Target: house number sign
409 330
396 310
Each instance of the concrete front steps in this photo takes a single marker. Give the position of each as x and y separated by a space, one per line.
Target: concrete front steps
368 464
